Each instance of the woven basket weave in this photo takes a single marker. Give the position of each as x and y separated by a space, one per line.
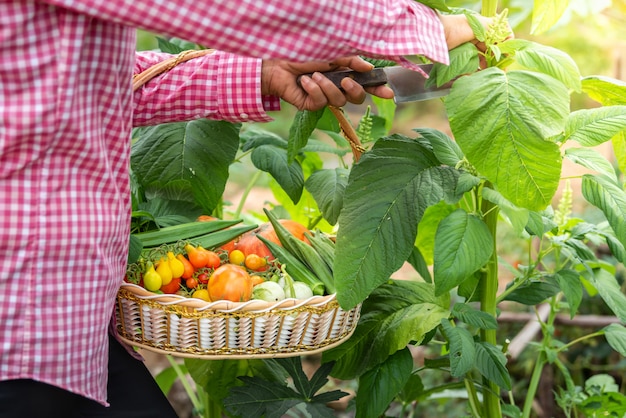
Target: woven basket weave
187 327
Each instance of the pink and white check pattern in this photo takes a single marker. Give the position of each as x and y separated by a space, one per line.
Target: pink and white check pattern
66 111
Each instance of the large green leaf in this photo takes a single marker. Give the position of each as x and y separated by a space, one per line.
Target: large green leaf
273 160
605 90
379 386
195 155
545 59
591 127
387 193
546 13
463 244
501 122
611 200
395 314
462 352
327 187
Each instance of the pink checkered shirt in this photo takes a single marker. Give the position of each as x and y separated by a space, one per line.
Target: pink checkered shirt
66 112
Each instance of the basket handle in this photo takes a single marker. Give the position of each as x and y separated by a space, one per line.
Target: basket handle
149 73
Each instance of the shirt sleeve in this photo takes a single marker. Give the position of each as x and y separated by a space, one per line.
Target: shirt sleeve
219 86
292 30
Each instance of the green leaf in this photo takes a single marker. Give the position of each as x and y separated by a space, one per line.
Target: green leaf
491 363
610 199
196 155
327 188
463 60
303 125
379 386
610 291
412 390
615 335
540 223
169 47
416 259
605 90
274 161
386 110
216 377
463 244
462 351
546 14
446 150
167 377
387 193
477 26
259 398
518 217
533 293
427 228
394 315
546 60
473 316
501 122
572 288
591 159
591 127
619 149
134 249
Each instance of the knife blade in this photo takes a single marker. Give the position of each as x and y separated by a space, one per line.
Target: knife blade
407 85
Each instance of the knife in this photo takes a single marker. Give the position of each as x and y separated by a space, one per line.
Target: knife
407 85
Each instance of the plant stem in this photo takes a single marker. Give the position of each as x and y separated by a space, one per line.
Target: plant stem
488 292
472 397
191 393
579 339
246 192
533 384
489 7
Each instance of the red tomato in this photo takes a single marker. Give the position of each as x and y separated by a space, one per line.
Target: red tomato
230 282
191 283
203 278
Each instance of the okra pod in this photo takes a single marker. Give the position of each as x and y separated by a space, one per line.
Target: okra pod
295 267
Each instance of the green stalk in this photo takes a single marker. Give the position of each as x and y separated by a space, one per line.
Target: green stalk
246 192
489 8
488 301
534 384
472 397
183 379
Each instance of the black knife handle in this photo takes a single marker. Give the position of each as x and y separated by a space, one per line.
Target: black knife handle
376 77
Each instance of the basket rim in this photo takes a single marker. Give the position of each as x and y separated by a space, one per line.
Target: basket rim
253 305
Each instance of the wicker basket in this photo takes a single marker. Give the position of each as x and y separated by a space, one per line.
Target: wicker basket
187 327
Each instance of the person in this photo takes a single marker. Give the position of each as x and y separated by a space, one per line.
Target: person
67 110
